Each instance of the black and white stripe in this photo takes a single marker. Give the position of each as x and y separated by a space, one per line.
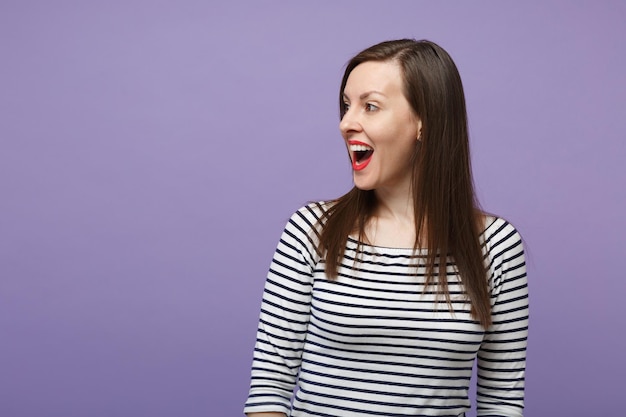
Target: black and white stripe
375 342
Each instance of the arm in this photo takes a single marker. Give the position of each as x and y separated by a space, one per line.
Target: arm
266 415
283 321
502 355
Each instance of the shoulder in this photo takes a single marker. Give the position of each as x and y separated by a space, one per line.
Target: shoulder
311 216
504 252
499 235
302 231
307 222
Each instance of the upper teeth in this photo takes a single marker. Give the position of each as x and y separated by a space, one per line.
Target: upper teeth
354 148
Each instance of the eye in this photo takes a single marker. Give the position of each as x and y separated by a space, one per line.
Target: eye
370 107
346 106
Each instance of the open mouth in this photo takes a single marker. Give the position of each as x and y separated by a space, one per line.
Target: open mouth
361 154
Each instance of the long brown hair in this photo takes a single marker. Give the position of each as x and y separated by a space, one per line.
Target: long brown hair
445 206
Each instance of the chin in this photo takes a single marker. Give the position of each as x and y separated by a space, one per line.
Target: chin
365 182
364 187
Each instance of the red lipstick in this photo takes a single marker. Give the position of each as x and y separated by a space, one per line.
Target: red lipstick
360 153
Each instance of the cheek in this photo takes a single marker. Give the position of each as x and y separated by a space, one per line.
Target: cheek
404 147
395 133
405 139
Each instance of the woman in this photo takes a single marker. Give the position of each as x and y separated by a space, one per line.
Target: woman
359 316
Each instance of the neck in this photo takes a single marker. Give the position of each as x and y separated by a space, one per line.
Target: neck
395 204
393 221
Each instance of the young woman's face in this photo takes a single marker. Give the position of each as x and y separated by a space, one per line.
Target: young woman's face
380 128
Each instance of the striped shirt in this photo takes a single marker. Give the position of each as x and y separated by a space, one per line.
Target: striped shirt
375 342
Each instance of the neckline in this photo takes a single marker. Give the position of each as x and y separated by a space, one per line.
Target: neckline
388 248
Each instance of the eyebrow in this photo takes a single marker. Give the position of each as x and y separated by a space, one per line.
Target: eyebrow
366 94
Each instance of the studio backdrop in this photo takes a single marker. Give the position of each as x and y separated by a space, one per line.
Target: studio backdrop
152 151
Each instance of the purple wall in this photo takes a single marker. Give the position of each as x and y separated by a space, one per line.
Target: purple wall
150 153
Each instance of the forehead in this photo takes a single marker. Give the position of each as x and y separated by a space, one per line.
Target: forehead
385 77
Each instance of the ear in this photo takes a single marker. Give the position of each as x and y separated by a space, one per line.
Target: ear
419 129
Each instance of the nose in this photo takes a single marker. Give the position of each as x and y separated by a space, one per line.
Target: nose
349 123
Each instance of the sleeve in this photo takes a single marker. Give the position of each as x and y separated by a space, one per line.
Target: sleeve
502 355
284 318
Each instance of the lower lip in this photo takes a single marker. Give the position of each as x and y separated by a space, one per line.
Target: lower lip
360 166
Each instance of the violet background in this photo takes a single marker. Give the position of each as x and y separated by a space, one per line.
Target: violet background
151 152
